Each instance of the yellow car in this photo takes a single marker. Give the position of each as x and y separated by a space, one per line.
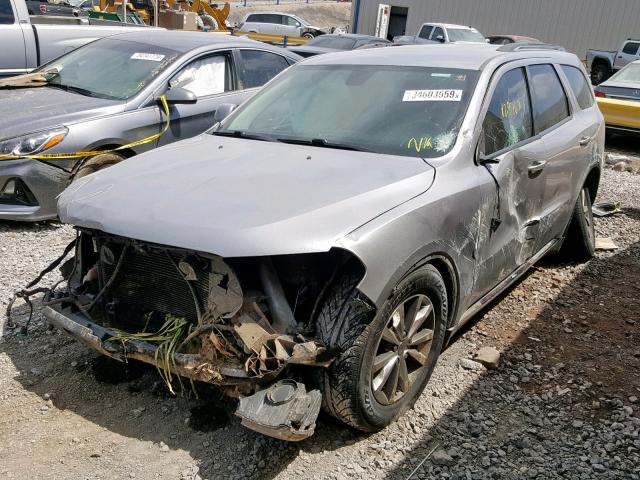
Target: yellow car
619 100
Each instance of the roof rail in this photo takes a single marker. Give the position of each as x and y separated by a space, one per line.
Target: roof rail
517 47
634 39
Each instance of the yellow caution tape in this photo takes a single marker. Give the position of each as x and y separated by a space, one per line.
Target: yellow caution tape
93 153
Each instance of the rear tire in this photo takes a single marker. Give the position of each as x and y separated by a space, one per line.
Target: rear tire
580 240
355 389
599 73
98 162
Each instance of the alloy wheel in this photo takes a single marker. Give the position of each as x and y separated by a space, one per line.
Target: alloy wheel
403 349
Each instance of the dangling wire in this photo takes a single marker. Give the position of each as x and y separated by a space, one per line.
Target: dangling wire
26 294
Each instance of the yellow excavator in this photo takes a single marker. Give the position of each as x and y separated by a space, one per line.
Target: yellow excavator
211 15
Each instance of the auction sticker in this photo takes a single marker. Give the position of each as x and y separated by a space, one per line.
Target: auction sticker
153 57
432 96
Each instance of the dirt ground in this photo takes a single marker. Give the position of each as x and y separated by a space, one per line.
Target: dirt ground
563 404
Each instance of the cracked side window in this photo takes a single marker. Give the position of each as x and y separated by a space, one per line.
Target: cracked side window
508 119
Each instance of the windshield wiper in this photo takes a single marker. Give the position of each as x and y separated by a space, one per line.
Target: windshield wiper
71 88
321 142
243 134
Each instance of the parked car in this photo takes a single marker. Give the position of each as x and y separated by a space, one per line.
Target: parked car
27 45
104 96
278 23
602 64
619 100
337 43
509 39
338 229
442 33
623 85
44 7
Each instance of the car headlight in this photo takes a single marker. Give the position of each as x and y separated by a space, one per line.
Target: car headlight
33 142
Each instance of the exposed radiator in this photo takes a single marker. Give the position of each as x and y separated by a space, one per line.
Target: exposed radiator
149 283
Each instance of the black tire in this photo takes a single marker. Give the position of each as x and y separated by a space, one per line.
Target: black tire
96 163
347 323
580 240
308 35
599 73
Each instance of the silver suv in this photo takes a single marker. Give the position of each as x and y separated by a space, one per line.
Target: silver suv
346 220
278 23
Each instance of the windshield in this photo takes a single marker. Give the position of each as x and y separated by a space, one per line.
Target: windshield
302 21
410 111
464 35
110 68
339 43
629 74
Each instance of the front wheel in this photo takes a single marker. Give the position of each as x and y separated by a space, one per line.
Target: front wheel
386 358
96 163
308 35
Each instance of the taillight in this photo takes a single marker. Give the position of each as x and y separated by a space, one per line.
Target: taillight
600 94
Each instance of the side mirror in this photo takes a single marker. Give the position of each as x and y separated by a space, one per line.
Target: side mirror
223 111
178 95
440 38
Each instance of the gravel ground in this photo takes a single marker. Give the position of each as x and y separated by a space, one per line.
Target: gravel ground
563 402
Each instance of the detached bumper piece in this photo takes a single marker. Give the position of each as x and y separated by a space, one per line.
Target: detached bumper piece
285 411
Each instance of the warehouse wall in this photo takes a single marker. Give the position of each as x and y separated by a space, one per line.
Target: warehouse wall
575 24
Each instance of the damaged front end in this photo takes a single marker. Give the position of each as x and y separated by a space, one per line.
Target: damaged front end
228 322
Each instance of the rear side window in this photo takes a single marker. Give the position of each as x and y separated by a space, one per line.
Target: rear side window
631 48
425 31
508 119
550 104
6 13
269 18
579 86
258 67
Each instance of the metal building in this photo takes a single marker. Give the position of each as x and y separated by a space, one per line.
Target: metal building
575 24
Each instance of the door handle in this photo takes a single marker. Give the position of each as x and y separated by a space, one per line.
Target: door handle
537 166
584 141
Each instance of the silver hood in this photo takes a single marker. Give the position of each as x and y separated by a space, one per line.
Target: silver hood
236 197
27 110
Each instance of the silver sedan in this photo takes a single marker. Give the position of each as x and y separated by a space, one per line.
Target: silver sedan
105 95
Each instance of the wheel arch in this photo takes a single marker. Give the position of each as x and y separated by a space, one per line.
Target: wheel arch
592 182
125 152
446 267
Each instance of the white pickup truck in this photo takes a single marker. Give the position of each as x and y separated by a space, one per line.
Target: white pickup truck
442 33
27 45
602 64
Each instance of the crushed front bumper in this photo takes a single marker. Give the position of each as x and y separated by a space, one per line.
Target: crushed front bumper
283 409
95 336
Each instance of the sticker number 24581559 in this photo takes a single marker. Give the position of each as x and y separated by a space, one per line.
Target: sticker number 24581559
432 96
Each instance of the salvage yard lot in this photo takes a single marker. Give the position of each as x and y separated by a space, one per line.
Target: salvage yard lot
562 404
